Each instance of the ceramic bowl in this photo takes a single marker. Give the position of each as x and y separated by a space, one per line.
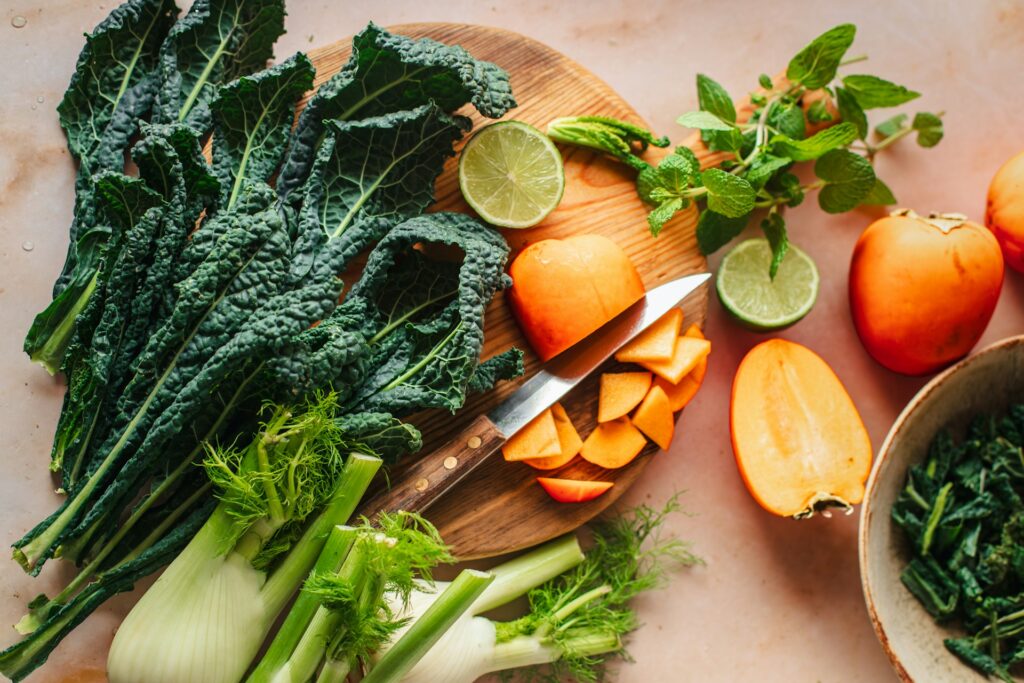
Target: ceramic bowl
987 382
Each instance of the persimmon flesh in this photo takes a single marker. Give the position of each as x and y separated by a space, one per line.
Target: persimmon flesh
562 290
799 441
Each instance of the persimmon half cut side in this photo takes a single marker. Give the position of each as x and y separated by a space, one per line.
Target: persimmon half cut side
799 441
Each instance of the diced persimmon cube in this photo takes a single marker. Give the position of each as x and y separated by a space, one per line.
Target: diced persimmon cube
538 439
688 353
654 418
620 393
568 438
613 444
656 343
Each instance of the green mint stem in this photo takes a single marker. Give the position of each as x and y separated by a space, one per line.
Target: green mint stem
335 550
456 599
517 577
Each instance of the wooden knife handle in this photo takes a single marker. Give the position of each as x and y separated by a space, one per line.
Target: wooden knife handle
434 474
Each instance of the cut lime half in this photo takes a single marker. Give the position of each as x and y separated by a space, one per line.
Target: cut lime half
757 301
511 174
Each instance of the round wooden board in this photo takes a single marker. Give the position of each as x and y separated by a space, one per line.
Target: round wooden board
500 508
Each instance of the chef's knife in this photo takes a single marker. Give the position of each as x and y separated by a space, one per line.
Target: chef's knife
432 475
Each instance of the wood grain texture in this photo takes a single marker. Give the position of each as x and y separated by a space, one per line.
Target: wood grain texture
499 508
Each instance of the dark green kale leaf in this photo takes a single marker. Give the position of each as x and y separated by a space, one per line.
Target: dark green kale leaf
386 74
424 317
386 436
370 175
215 43
252 117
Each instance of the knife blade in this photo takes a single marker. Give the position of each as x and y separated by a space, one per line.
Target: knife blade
430 477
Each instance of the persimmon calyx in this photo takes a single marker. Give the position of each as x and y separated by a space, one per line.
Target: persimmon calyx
824 503
946 222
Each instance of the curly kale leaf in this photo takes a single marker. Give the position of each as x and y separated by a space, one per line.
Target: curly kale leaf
424 317
114 82
369 176
215 43
252 117
504 366
385 74
388 437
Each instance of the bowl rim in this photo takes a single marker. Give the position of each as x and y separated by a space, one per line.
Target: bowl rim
862 533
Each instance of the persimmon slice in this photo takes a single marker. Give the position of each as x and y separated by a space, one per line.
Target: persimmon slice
538 439
799 441
613 444
620 393
654 418
656 343
572 490
568 439
689 352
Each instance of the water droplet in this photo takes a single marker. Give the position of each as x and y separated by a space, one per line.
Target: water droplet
18 21
40 99
28 245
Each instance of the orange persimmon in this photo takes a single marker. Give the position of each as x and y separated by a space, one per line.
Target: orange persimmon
689 352
799 441
538 439
562 290
656 343
655 419
613 444
621 392
568 439
1004 212
922 289
573 490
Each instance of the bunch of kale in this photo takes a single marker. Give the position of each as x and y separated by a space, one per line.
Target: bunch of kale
193 292
964 517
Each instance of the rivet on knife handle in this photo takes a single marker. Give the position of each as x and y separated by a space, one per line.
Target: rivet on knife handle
437 472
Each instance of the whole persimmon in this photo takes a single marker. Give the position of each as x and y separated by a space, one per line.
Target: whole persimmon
922 289
1004 211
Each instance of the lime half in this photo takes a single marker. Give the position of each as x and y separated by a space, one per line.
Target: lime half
757 301
511 174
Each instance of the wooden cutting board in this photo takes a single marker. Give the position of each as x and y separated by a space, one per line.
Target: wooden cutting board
500 508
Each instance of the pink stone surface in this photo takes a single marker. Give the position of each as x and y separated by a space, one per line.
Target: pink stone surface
778 600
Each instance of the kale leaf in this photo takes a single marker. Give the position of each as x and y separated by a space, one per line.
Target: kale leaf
389 73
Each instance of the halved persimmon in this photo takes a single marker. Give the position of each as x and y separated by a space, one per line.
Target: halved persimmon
799 441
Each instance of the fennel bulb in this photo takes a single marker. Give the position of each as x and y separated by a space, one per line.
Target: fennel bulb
204 620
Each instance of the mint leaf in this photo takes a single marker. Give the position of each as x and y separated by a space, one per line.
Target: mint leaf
657 219
690 157
872 92
703 120
787 186
677 173
891 126
765 81
728 195
929 129
763 167
818 112
818 144
774 227
880 195
714 230
851 112
713 98
815 66
647 182
849 179
789 121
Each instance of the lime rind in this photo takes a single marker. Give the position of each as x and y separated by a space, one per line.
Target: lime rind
511 174
753 298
